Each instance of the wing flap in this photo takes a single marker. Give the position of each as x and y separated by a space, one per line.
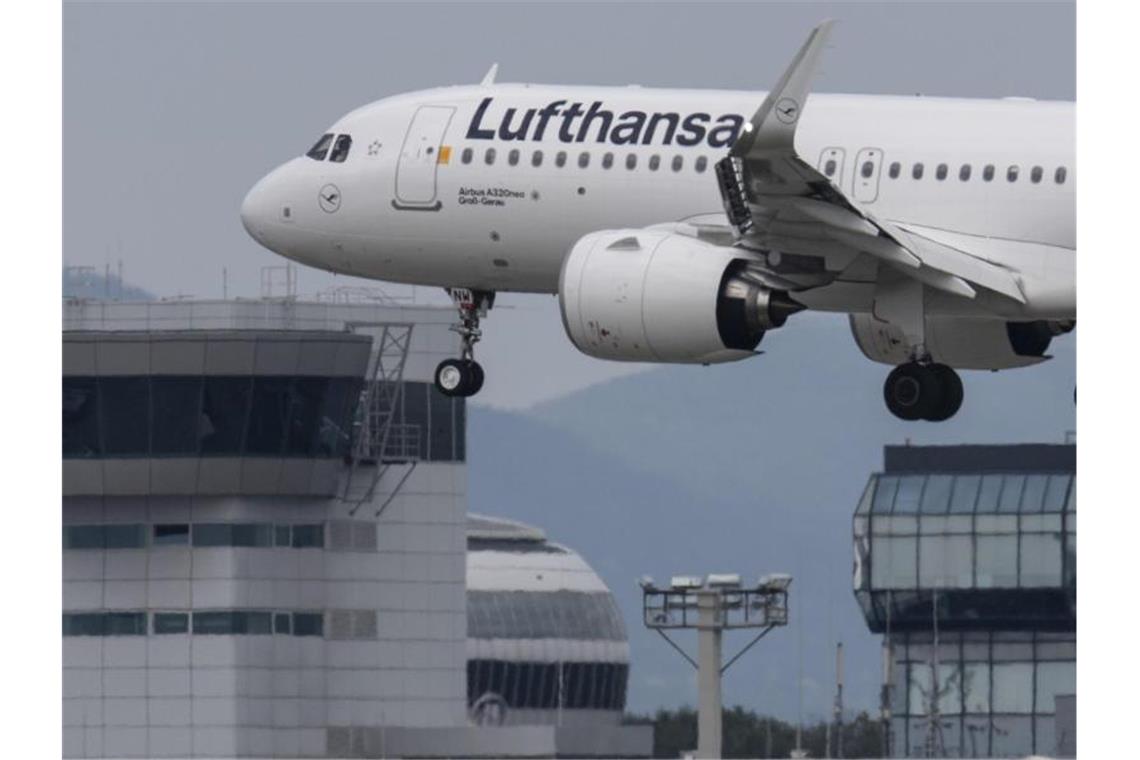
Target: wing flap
771 193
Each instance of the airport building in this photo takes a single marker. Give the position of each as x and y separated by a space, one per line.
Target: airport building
965 562
266 543
546 644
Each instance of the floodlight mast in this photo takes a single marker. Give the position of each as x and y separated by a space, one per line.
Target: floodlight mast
712 604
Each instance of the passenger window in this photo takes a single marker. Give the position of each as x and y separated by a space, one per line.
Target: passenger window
701 164
536 159
340 149
1059 175
988 172
1035 174
893 172
654 162
607 160
678 163
583 160
631 161
467 155
1012 172
941 171
513 157
560 159
489 156
318 151
964 172
829 167
916 172
867 169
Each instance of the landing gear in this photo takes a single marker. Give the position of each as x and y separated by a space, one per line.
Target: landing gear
917 391
464 376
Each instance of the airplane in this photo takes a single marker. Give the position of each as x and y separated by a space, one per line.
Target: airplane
673 227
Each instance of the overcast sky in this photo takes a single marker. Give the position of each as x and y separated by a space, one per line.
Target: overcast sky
172 111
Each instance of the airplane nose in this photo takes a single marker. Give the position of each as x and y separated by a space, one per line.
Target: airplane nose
256 211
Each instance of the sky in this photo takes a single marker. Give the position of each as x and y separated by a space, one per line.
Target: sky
172 112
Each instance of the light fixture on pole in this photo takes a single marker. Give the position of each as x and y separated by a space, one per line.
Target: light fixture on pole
712 604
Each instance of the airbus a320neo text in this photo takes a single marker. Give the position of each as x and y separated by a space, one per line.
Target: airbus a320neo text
682 225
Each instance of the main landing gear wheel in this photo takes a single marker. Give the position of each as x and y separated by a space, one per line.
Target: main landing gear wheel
916 391
459 377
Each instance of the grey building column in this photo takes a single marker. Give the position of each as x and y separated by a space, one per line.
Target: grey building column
709 731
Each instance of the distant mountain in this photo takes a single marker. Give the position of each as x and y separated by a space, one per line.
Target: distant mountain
810 407
750 468
85 282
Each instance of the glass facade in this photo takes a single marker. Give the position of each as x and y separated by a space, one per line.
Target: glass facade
549 686
268 416
204 622
994 695
186 416
241 534
965 558
974 548
428 425
539 615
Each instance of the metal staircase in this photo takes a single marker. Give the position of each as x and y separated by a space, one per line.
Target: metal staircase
380 442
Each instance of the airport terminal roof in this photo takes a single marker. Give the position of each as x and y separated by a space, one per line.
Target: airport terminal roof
484 527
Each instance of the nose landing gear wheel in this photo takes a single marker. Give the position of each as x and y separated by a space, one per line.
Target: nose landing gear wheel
916 391
459 377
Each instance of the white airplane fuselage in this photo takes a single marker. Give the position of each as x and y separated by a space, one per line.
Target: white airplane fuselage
418 200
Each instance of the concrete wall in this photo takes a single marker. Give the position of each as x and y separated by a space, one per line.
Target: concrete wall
270 695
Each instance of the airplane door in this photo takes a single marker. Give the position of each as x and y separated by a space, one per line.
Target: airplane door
420 157
868 163
831 164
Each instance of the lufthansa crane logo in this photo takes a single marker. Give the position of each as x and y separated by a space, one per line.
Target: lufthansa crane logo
787 110
329 198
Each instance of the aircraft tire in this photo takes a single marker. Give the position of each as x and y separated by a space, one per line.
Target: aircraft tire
475 378
951 393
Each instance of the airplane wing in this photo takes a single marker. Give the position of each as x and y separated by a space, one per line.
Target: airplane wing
777 201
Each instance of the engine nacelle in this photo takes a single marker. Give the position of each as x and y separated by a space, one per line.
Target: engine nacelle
658 296
961 343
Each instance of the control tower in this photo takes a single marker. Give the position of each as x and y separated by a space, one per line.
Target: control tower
264 531
965 561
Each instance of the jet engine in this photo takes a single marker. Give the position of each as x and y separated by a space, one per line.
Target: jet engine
659 296
962 343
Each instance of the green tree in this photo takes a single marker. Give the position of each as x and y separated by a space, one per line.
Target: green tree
747 734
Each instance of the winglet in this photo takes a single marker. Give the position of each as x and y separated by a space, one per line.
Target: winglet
774 124
489 77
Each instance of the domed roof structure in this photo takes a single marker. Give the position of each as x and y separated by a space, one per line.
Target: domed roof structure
545 639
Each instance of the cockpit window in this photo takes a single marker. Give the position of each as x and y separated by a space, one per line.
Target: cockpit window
318 151
341 148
